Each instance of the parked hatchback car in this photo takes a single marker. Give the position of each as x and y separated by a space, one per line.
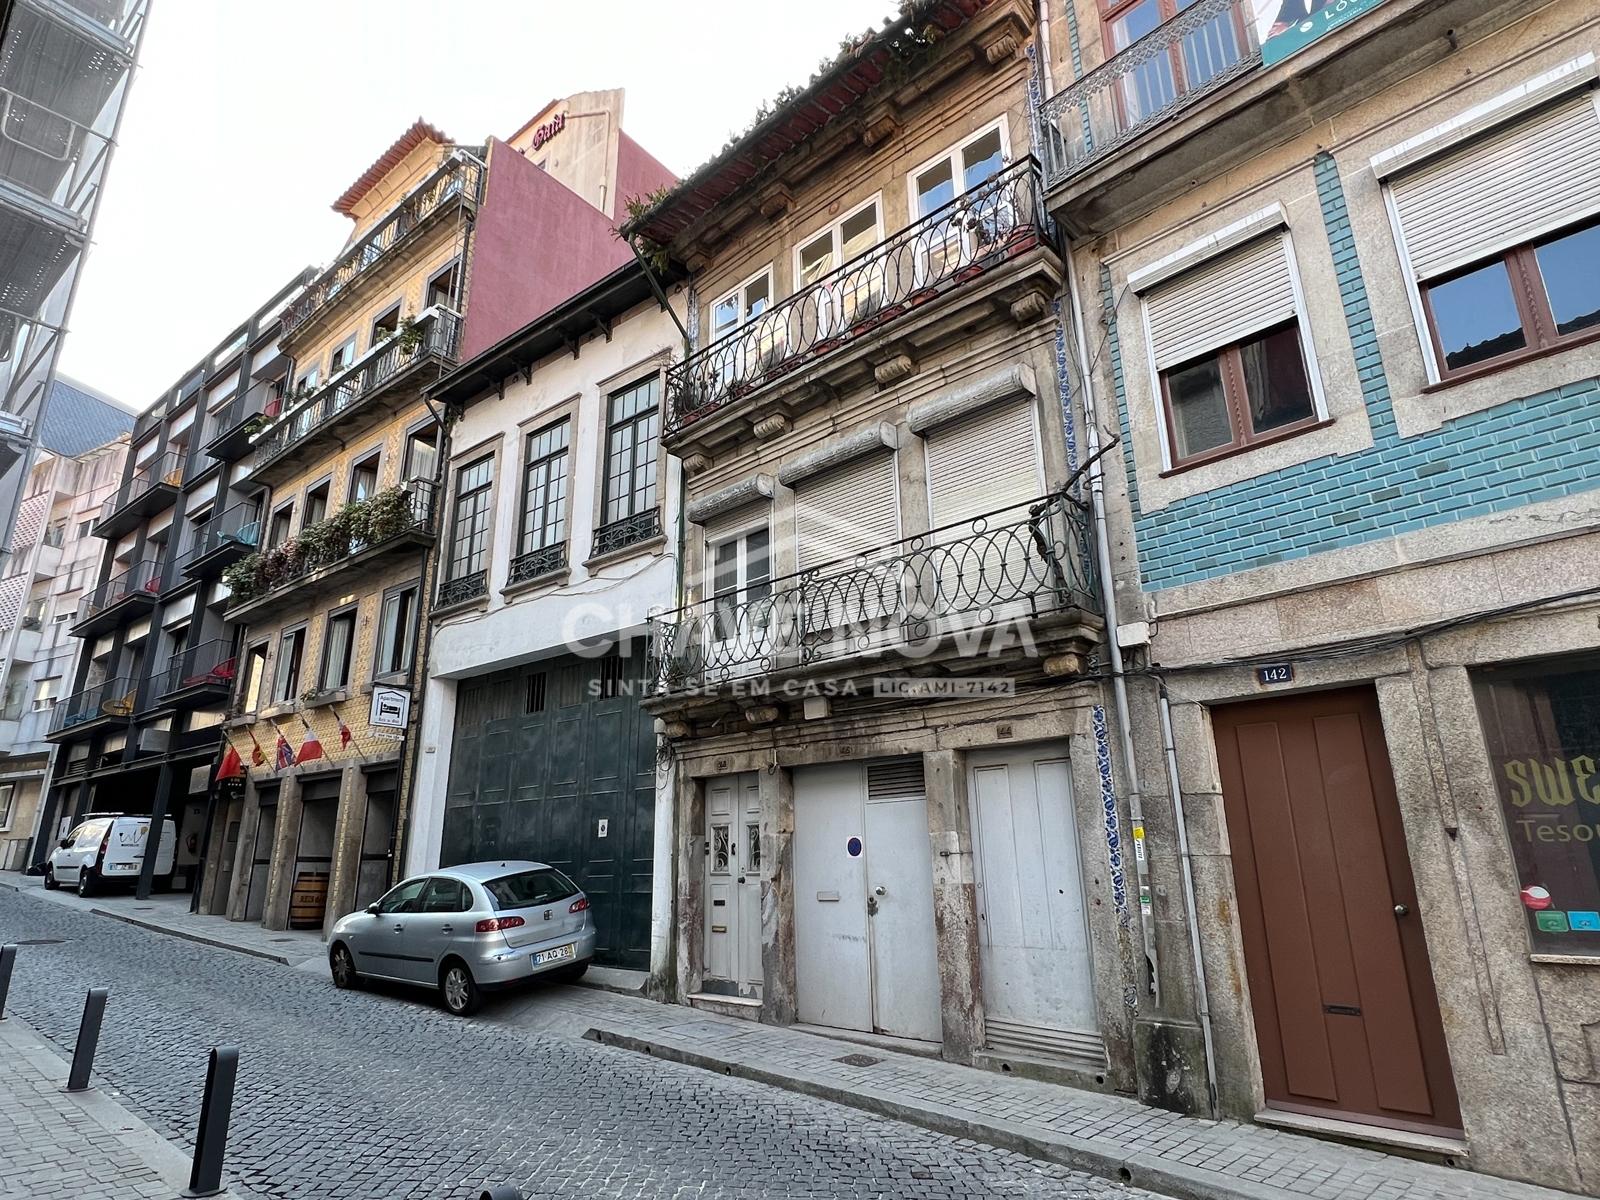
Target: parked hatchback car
466 930
108 849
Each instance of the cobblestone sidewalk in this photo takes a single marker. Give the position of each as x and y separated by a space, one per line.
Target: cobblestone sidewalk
83 1146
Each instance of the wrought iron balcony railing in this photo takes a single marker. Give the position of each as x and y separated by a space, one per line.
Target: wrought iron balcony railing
628 531
536 564
372 524
472 586
110 698
210 665
459 178
1163 73
949 248
165 470
440 331
1014 564
143 579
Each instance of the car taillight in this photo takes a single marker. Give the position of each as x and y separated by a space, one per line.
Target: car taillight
100 855
499 924
578 905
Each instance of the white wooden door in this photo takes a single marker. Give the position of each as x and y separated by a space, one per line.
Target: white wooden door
1038 982
733 886
905 956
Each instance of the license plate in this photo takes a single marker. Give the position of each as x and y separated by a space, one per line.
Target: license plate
556 955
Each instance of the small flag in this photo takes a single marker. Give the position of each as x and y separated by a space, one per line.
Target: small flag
258 756
344 732
231 767
311 748
285 753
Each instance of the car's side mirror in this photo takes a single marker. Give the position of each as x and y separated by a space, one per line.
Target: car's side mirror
373 908
66 843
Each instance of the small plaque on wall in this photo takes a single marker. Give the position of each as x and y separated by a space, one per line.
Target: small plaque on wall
1275 673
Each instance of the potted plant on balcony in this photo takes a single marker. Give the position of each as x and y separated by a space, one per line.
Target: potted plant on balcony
243 578
409 337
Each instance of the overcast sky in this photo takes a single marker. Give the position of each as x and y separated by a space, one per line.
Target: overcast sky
247 119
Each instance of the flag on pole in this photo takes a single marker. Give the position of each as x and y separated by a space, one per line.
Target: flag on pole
285 752
258 756
311 748
232 767
344 732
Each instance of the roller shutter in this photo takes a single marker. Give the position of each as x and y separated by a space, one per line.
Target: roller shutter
1222 302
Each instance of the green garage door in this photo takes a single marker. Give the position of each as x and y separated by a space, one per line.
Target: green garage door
556 762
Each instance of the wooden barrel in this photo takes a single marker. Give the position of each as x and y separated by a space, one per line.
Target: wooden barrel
308 903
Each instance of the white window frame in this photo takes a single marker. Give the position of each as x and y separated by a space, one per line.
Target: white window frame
8 803
739 291
834 232
737 535
348 349
951 155
1197 255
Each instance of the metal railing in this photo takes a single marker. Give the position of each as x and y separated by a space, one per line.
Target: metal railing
165 469
143 578
628 531
1010 565
109 698
1158 76
471 586
121 17
536 563
458 177
365 525
440 329
262 399
954 245
210 664
237 526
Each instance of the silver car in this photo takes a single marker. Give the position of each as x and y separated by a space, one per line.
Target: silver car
466 930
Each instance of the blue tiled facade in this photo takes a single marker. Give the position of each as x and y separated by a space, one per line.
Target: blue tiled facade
1532 448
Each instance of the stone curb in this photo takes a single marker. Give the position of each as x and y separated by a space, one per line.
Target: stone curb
1108 1160
201 938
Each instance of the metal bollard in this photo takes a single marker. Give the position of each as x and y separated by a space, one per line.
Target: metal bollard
503 1191
211 1140
8 955
94 1010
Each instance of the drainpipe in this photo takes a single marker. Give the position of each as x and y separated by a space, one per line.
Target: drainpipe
1044 47
1119 684
1201 998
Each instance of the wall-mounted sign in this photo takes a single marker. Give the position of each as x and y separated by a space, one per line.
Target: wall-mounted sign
547 131
391 708
1275 673
1285 27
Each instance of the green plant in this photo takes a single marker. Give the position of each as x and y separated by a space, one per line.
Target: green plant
409 336
255 425
243 578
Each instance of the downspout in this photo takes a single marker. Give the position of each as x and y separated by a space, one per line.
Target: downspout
1119 684
1201 998
1044 47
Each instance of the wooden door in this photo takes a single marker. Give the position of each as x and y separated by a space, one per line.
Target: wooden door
1343 998
733 886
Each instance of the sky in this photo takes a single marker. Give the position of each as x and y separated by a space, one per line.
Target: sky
247 119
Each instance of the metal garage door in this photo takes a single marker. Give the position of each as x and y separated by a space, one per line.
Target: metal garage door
556 762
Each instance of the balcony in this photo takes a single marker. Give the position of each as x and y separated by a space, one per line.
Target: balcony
985 596
198 675
322 554
107 703
991 248
117 19
242 418
119 598
456 183
150 489
222 541
363 396
1201 93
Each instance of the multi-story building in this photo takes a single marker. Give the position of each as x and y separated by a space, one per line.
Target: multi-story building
82 443
140 727
888 797
1337 289
65 67
336 600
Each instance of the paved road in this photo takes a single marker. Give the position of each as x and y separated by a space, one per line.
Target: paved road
356 1094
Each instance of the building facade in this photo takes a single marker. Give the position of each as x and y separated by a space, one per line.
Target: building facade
889 810
1335 289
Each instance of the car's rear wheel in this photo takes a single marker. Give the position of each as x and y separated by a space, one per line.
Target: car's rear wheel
343 968
51 883
86 882
461 995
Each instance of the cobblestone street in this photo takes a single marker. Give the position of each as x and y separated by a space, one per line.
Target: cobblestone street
383 1095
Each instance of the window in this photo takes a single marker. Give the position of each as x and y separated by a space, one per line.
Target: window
1185 65
527 889
33 615
469 528
316 504
544 489
956 173
833 247
1227 345
47 693
422 453
8 795
445 896
56 534
307 383
291 648
745 302
282 523
343 355
396 631
338 644
254 678
364 478
402 898
83 528
741 578
633 427
1500 234
385 326
442 289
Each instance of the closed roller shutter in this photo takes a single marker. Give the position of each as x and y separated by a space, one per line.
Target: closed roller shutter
850 510
1537 176
981 463
1223 302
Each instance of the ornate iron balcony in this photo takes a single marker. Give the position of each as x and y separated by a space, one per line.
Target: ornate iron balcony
1015 564
949 248
1166 71
113 698
459 178
629 531
460 590
536 563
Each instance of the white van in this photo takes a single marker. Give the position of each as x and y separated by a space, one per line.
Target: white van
109 848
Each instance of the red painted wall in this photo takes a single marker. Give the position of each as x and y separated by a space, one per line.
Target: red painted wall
536 243
638 174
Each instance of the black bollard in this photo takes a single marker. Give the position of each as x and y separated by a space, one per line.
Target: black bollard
8 955
502 1191
94 1010
211 1141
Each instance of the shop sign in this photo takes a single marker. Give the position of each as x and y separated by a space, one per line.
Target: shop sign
547 131
1285 27
391 708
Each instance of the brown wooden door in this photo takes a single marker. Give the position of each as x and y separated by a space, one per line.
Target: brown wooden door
1345 1011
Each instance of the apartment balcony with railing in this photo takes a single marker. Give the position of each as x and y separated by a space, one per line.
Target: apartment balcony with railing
364 395
127 594
197 675
322 555
151 489
221 541
989 249
1213 86
983 596
456 184
109 702
236 422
